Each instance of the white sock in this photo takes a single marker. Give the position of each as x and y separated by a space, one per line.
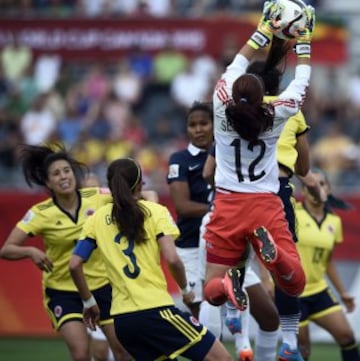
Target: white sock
289 329
265 345
231 310
242 340
210 316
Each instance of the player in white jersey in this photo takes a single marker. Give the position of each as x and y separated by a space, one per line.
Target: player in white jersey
246 207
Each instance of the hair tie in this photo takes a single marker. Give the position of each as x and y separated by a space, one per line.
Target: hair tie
243 100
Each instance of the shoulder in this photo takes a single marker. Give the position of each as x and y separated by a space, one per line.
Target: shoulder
153 209
179 157
43 206
89 192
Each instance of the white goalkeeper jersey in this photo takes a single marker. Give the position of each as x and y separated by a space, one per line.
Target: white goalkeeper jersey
251 167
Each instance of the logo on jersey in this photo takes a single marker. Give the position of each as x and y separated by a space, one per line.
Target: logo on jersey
59 223
104 191
331 228
194 321
174 171
28 217
58 311
193 167
89 212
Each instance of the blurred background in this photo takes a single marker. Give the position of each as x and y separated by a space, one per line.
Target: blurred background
114 78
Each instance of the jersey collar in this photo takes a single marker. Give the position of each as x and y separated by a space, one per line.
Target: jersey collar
194 151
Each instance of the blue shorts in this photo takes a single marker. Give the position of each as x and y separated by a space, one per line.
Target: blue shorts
317 305
163 333
64 306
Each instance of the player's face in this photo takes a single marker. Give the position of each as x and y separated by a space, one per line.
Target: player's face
323 184
200 129
61 178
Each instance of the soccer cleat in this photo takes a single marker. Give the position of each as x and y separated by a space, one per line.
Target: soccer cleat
266 244
246 354
286 354
233 324
233 288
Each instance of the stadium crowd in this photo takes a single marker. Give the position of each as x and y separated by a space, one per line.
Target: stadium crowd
137 105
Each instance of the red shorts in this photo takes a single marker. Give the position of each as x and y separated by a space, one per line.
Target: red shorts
235 217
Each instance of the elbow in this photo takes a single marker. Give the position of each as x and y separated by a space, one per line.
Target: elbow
173 261
74 265
4 253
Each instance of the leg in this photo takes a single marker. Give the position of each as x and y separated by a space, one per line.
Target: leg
289 311
338 326
120 354
99 346
225 283
218 352
264 312
277 251
76 339
304 341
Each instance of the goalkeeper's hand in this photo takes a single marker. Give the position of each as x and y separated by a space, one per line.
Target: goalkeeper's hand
266 26
303 41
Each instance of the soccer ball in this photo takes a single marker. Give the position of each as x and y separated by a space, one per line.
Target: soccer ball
291 13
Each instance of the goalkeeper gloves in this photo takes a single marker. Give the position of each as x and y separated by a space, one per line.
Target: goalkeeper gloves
303 43
266 26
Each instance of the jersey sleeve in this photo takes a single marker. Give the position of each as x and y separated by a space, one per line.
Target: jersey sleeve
292 98
302 126
165 224
32 222
177 169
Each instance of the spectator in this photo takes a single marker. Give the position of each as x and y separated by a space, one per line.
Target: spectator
15 59
38 123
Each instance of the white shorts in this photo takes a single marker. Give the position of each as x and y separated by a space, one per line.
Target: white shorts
98 334
202 246
190 258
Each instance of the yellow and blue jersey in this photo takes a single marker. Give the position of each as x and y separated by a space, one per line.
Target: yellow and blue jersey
134 269
316 241
60 232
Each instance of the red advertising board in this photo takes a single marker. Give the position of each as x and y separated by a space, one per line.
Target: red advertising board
107 39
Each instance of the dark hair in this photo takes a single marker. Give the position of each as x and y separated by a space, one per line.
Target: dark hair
36 160
332 202
201 106
268 70
123 175
248 115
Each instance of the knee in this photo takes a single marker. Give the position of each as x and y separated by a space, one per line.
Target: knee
80 356
214 291
297 286
100 352
346 339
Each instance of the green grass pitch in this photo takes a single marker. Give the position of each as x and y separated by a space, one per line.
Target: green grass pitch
30 349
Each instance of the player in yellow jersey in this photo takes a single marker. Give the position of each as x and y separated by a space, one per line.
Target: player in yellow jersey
319 231
131 235
59 220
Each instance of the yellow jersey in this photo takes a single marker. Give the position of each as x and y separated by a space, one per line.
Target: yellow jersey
134 269
294 127
315 245
60 232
